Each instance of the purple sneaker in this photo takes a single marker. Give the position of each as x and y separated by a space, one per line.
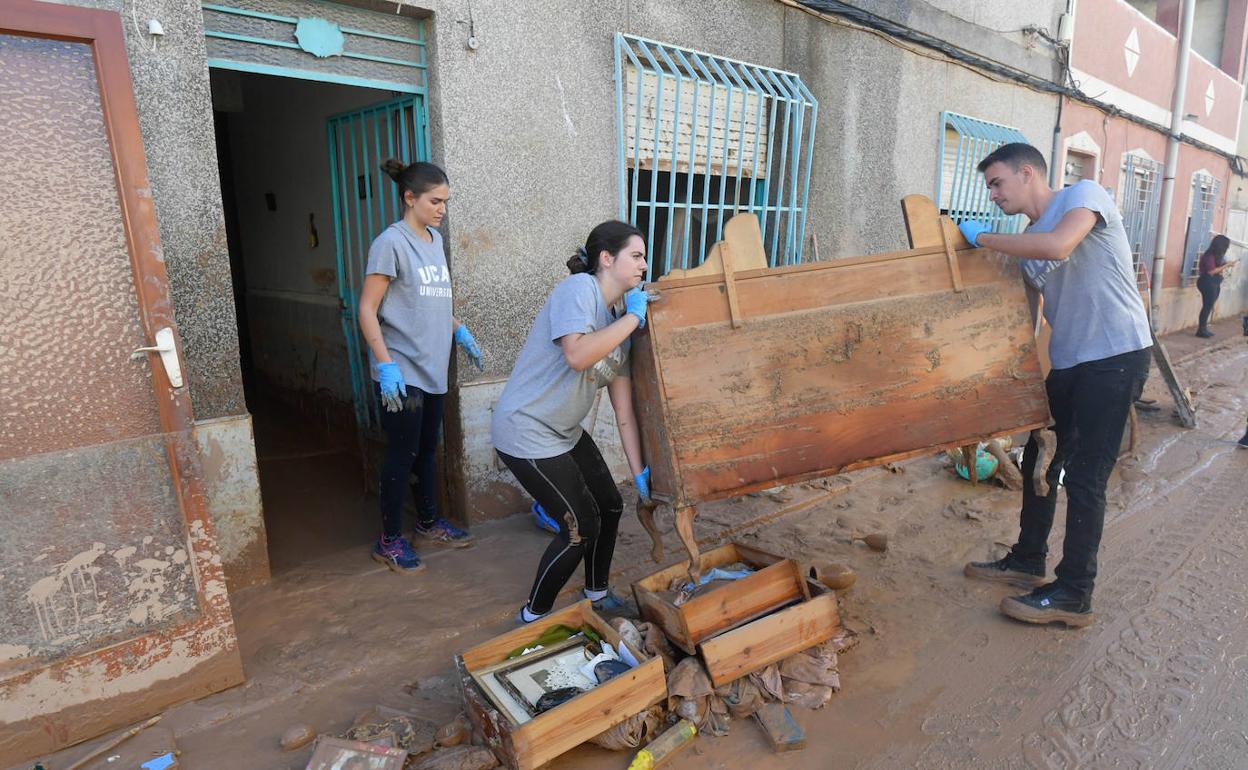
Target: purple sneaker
397 554
442 531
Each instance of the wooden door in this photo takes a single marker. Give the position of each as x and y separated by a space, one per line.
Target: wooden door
112 599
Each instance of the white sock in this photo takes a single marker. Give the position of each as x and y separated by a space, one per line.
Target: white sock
529 617
594 596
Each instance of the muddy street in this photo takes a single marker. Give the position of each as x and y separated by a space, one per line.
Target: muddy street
939 678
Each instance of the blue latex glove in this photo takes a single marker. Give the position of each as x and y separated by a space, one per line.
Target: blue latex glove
635 302
392 386
972 229
464 339
642 480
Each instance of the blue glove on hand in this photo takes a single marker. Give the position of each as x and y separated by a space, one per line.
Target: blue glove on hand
642 480
464 339
635 302
392 386
972 229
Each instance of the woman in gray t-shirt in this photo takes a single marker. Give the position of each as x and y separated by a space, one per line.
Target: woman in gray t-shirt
405 316
578 344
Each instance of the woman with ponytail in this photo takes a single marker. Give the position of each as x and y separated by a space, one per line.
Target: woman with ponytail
578 344
406 318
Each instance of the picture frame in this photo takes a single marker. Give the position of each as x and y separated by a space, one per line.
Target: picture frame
504 695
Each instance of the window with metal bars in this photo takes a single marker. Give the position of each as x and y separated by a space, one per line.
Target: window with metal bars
960 190
1139 193
1204 201
702 138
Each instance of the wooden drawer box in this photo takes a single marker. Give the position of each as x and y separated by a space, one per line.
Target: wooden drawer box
736 627
546 736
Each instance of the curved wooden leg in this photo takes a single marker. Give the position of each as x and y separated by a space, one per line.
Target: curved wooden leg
645 514
684 528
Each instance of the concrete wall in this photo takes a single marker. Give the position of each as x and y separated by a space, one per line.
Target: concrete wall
530 176
279 146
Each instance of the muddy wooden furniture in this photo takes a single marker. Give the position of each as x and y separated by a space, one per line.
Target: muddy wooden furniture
535 742
745 379
742 626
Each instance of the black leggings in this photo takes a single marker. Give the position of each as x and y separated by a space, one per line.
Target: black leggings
577 490
411 448
1210 287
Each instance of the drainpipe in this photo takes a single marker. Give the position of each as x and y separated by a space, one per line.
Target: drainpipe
1172 153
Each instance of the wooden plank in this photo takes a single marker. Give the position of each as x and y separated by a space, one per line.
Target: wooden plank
951 256
712 612
493 726
730 286
922 221
666 615
497 648
780 727
1182 404
718 557
807 384
747 649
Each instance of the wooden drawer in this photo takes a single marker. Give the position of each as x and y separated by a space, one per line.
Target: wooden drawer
546 736
738 628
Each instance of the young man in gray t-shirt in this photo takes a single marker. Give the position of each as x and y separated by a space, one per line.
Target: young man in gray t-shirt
1076 253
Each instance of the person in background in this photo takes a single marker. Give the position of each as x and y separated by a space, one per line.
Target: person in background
1213 263
406 318
578 344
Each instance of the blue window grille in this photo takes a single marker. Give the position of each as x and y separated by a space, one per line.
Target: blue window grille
1199 223
960 190
1140 192
701 138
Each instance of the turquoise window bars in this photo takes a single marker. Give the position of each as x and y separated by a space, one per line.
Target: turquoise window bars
960 190
701 138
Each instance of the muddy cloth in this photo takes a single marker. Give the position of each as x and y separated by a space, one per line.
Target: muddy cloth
1089 404
637 730
577 489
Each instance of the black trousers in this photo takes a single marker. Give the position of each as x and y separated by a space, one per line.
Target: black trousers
1089 403
1210 287
577 490
411 448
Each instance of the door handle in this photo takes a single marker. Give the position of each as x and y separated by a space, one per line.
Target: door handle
168 351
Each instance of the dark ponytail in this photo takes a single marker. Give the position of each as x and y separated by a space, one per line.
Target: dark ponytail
1218 247
610 236
418 178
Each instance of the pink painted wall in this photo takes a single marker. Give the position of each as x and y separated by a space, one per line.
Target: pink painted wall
1101 31
1116 137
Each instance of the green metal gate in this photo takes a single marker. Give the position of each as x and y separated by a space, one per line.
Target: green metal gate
366 201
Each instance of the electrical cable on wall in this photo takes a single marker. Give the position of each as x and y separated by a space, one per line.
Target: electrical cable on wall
894 32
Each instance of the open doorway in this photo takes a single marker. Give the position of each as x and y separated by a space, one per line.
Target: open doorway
301 368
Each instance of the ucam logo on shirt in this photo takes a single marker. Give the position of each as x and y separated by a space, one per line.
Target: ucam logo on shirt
435 274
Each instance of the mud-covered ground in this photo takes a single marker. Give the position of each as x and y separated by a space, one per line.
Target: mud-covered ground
939 680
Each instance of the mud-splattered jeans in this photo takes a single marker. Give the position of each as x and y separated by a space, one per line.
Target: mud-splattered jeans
1089 403
577 490
411 449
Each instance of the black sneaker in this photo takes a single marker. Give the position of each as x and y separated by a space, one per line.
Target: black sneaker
1205 333
1005 570
1243 442
1051 603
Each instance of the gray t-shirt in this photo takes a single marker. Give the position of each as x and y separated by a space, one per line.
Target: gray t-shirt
539 414
415 314
1090 298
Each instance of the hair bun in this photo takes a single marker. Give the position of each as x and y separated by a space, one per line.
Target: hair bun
393 168
579 262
